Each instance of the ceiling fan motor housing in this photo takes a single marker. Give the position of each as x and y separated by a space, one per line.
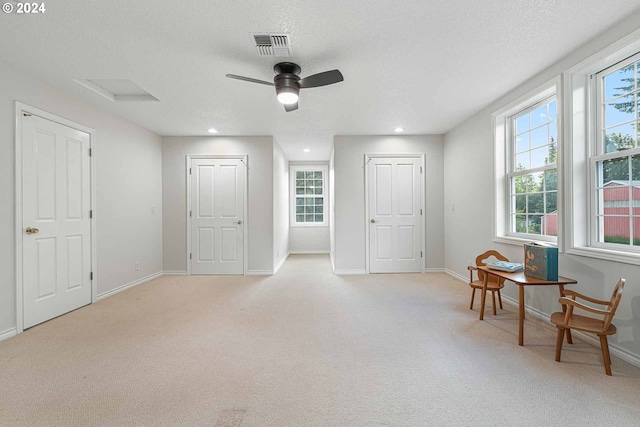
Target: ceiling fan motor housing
286 79
287 83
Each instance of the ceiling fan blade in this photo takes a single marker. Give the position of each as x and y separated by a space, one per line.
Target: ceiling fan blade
290 107
249 79
322 79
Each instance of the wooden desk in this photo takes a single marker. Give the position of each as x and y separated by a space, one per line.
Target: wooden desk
521 280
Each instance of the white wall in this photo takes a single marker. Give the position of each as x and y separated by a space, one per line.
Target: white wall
259 224
350 222
128 184
468 159
309 240
280 205
332 207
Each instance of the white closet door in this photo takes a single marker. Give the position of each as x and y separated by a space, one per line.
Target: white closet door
217 211
395 238
56 237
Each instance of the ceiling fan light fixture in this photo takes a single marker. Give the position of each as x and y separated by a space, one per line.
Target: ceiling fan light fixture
288 83
398 129
287 96
212 130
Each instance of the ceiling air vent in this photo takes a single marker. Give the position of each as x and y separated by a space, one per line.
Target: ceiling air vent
272 44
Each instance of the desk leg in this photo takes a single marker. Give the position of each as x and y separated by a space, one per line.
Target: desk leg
521 317
484 294
564 310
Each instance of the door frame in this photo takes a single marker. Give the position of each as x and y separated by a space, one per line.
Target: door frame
21 108
423 186
244 159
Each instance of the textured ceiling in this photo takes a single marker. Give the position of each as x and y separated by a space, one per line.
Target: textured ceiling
422 65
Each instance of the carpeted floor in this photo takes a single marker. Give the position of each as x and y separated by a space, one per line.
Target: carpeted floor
304 348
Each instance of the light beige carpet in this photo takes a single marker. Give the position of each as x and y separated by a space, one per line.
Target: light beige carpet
304 348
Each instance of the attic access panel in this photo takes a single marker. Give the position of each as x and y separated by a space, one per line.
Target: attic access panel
117 90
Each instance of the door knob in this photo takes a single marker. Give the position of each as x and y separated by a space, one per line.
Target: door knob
239 221
373 221
30 230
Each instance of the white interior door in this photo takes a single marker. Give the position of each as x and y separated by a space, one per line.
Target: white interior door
217 216
56 238
395 223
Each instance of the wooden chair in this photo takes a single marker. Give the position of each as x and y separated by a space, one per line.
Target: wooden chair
494 283
566 320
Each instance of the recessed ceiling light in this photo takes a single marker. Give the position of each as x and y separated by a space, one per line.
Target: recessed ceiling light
306 150
398 130
212 130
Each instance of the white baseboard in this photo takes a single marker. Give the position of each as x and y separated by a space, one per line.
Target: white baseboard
281 263
529 311
333 263
128 285
623 354
174 272
434 270
260 273
457 276
308 252
9 333
249 272
350 272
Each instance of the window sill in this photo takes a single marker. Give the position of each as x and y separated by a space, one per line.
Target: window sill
519 241
311 225
606 254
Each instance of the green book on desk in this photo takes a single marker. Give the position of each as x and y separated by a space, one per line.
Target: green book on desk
541 260
509 267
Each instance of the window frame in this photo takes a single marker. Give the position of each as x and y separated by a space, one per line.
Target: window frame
579 88
293 168
512 173
503 162
597 155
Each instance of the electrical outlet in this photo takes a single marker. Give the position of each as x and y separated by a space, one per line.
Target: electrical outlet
137 266
153 210
453 207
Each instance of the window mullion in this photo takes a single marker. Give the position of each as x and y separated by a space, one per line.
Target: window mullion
535 170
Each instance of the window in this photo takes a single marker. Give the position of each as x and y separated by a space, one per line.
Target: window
308 195
527 153
533 171
615 163
603 154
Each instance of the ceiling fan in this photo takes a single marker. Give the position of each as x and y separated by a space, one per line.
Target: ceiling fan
288 83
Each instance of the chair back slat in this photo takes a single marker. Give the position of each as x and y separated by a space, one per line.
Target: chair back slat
613 303
481 260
